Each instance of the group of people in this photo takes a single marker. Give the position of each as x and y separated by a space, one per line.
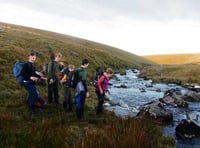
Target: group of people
52 77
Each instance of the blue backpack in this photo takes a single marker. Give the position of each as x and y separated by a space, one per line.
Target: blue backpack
17 72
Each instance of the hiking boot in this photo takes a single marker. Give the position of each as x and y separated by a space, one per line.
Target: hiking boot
50 102
78 114
43 106
32 111
98 112
57 102
70 110
65 106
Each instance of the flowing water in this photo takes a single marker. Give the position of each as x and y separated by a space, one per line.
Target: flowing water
129 92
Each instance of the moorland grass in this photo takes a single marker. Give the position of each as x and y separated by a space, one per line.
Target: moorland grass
55 128
178 74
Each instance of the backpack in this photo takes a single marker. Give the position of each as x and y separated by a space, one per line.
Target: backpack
73 78
95 81
62 73
45 69
17 71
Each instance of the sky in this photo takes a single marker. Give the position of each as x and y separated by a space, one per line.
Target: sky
142 27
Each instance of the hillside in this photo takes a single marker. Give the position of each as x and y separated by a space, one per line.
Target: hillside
16 41
174 68
175 58
53 127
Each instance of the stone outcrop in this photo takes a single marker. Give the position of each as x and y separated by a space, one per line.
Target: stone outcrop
187 129
174 96
192 96
157 112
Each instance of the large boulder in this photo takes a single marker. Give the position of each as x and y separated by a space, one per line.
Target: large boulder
192 96
167 100
121 86
172 92
190 127
174 96
178 100
193 87
115 102
157 112
187 129
123 73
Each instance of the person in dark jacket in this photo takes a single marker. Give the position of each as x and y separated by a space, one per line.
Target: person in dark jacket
102 85
30 77
54 68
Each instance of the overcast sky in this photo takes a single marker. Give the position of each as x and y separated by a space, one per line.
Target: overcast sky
142 27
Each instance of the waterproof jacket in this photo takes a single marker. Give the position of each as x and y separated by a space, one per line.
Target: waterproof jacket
54 69
28 71
103 82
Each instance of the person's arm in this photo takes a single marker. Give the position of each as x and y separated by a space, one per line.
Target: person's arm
85 85
34 75
86 89
37 74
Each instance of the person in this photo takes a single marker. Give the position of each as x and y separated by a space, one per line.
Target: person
81 91
67 103
102 85
30 77
54 67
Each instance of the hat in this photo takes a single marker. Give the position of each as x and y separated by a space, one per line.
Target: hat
32 52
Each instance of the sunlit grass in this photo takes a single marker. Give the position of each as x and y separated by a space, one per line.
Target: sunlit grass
175 58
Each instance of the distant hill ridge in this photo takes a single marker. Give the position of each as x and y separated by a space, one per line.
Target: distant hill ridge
193 58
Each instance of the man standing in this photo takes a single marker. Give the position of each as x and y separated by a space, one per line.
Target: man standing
54 68
81 91
30 77
67 72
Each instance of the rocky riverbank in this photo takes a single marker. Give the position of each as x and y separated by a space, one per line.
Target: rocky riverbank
167 104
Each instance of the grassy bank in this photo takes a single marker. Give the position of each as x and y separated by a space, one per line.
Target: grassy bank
55 128
178 74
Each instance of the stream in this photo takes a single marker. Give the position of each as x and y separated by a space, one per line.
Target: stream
128 92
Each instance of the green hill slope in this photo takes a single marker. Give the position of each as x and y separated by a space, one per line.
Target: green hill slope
16 41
